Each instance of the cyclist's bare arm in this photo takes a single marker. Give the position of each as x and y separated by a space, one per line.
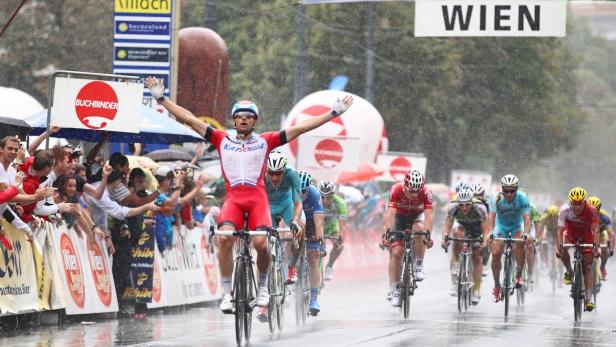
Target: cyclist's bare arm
447 227
539 230
429 213
595 232
388 221
492 220
297 211
485 229
318 225
527 224
313 122
559 236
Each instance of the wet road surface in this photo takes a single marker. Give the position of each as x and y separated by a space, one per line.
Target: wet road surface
355 313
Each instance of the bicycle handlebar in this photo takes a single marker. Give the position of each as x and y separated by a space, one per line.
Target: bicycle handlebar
404 232
477 239
583 245
509 239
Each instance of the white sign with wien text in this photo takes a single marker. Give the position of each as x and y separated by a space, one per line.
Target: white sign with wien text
490 18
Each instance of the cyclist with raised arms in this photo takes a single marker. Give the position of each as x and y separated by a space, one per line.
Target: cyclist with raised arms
243 159
472 218
578 220
510 215
606 233
313 232
335 219
410 204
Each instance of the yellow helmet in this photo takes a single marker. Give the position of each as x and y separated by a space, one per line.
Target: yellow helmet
577 194
595 202
552 210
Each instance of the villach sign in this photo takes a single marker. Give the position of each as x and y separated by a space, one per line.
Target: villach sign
521 18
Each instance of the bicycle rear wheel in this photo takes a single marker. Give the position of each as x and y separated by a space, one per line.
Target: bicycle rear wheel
239 300
282 290
301 286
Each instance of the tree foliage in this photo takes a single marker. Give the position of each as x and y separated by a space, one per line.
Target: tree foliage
497 104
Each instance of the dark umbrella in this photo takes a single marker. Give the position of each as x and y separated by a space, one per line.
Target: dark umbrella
13 126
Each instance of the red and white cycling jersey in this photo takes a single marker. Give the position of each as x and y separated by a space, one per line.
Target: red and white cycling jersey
243 168
578 223
243 162
406 206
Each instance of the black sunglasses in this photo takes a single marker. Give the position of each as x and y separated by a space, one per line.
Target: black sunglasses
509 191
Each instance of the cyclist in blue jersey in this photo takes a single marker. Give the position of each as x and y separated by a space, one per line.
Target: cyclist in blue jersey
284 195
313 210
510 215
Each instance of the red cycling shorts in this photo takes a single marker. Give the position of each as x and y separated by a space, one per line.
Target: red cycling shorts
252 200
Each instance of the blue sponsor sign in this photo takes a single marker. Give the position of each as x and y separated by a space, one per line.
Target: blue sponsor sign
134 27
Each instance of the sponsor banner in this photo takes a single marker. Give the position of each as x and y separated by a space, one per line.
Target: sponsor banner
396 165
86 273
330 153
141 54
471 177
186 273
96 105
532 18
143 44
142 266
143 6
151 28
18 289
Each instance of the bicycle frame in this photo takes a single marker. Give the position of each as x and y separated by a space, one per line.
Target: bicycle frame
407 275
577 285
244 281
508 274
465 273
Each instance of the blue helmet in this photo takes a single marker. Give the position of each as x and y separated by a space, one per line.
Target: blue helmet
304 180
245 106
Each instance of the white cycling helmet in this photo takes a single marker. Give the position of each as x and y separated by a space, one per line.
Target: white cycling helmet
276 161
509 181
414 180
326 188
465 195
461 186
477 189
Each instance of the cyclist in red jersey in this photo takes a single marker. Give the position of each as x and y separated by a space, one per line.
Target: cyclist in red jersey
243 158
578 220
410 204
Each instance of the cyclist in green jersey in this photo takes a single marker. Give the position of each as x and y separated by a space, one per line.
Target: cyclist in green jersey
535 234
549 222
472 220
335 209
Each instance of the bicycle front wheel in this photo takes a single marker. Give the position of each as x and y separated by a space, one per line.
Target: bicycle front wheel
239 300
577 290
507 282
461 283
405 291
250 297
